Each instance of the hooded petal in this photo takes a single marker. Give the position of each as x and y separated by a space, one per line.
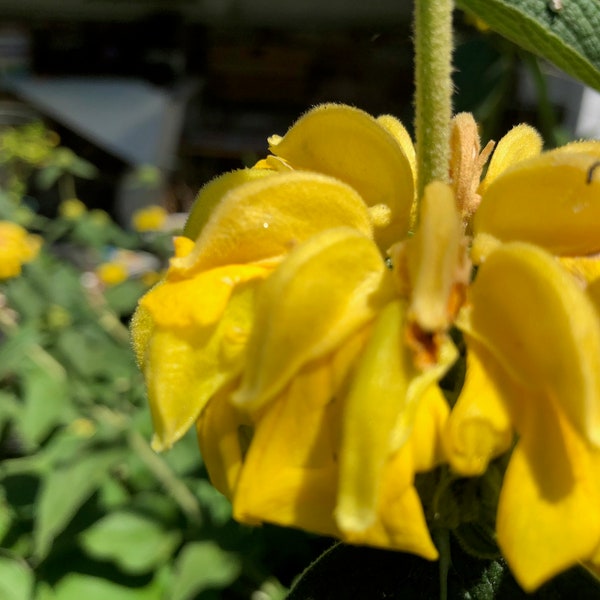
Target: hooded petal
548 518
349 144
264 219
550 200
532 316
479 427
326 289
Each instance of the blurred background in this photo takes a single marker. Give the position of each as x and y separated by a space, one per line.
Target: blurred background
193 87
112 115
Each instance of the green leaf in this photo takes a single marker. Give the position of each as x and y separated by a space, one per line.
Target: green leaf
64 490
46 401
76 586
123 298
201 566
135 543
16 579
567 36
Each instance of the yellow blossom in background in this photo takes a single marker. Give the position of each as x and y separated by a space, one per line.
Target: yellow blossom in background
71 209
304 326
150 218
17 247
112 273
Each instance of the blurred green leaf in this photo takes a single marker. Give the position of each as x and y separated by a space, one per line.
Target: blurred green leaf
122 298
75 586
566 36
64 490
135 543
9 407
201 566
48 176
46 401
16 580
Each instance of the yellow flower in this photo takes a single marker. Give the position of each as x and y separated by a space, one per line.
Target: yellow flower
16 248
150 218
112 273
310 367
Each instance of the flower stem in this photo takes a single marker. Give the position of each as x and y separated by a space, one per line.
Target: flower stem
433 94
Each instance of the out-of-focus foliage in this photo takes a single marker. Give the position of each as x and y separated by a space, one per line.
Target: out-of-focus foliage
87 509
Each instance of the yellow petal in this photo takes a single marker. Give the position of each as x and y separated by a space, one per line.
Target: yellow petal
433 261
326 289
426 437
395 127
290 472
479 427
520 143
401 523
593 293
199 301
380 417
532 316
585 268
266 218
224 434
548 518
377 397
349 144
580 147
212 193
550 200
185 366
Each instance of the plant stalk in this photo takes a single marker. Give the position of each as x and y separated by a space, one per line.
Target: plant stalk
433 89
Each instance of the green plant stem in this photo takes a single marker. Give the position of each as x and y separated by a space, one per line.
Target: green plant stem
176 488
433 89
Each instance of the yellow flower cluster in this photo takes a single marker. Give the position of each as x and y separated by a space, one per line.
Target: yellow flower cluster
304 326
17 247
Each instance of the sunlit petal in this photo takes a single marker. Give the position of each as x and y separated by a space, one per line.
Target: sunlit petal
266 218
550 200
213 192
326 289
349 144
520 143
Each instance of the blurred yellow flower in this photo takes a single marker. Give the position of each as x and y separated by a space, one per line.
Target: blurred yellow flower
111 273
17 247
71 209
151 218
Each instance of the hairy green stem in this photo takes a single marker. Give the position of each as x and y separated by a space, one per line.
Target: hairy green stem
433 93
